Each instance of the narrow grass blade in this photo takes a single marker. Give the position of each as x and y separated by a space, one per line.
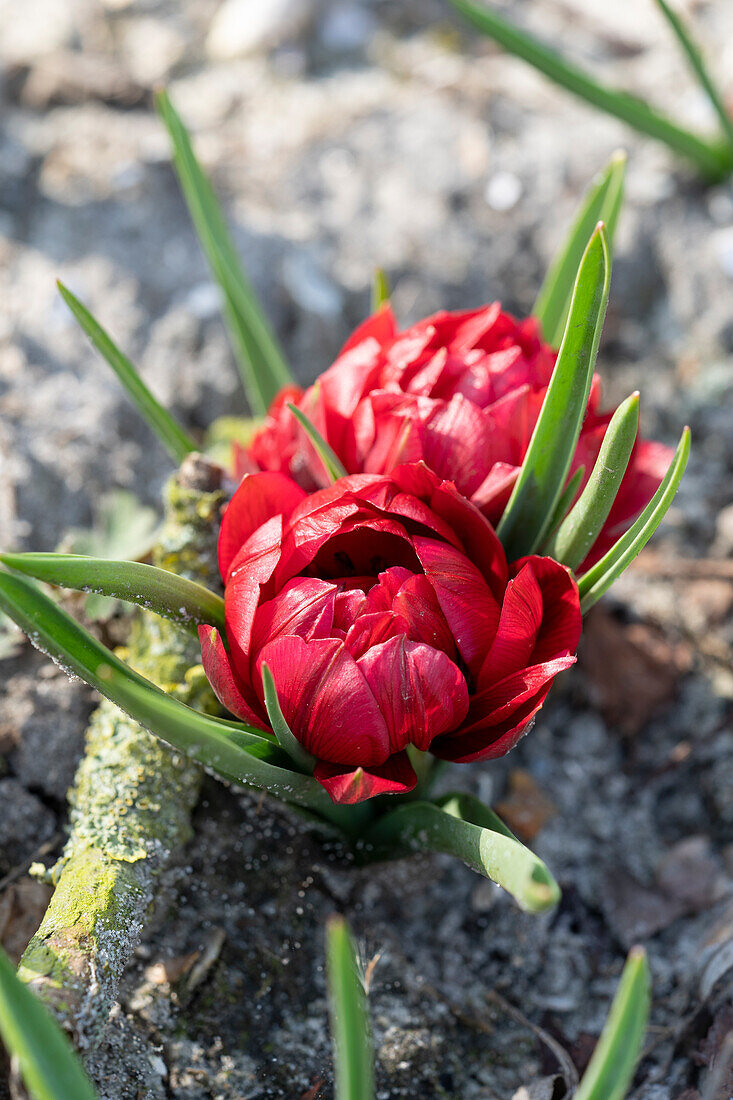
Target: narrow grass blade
233 750
602 203
699 68
713 159
48 1065
380 290
566 499
601 576
581 528
349 1017
184 602
333 466
528 514
168 431
612 1066
285 736
261 363
464 827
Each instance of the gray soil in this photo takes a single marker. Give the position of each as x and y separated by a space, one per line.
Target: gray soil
363 134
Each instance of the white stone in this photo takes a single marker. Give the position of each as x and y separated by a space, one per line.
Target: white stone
503 191
723 245
242 27
46 26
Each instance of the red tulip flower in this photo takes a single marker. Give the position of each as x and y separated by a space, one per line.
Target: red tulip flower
458 391
386 612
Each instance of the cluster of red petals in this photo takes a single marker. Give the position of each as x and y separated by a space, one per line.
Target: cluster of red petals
458 391
386 611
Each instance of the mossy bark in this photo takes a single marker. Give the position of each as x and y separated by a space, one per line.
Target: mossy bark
132 797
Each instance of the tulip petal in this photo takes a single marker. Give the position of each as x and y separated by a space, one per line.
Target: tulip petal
258 499
420 692
305 606
222 677
470 609
252 567
519 626
326 700
562 622
396 776
498 716
381 326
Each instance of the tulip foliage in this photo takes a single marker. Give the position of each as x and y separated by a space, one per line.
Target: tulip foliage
406 558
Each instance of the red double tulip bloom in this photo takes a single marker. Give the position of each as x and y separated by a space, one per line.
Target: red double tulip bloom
386 612
458 391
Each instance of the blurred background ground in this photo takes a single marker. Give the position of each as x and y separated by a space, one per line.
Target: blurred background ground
341 136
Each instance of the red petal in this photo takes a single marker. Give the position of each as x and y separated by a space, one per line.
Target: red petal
562 622
326 700
252 567
258 498
470 609
223 678
381 326
420 692
304 607
519 626
396 776
499 716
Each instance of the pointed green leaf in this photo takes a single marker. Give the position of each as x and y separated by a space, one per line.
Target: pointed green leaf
285 736
380 290
714 160
601 576
464 827
261 363
349 1017
527 517
566 499
233 750
583 525
333 466
48 1065
611 1069
184 602
168 431
602 203
699 68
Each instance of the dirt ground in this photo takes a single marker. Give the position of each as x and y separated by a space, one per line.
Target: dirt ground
356 134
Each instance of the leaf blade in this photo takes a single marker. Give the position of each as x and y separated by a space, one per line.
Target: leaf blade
184 602
602 202
714 161
261 363
349 1016
582 526
380 289
48 1064
235 751
331 462
285 736
464 827
601 576
611 1068
549 455
176 441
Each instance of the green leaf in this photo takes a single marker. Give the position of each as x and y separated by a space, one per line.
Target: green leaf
349 1016
464 827
48 1065
583 525
261 363
566 499
184 602
699 68
527 517
601 576
380 290
611 1069
233 750
714 160
602 203
168 431
330 460
285 736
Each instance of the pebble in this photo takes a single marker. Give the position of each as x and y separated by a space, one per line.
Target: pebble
242 27
503 191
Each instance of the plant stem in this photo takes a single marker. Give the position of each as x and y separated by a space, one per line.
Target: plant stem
132 797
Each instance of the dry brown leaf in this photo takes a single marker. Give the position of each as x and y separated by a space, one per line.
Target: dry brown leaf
526 809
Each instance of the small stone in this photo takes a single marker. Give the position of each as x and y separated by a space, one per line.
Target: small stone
724 530
242 27
310 288
722 241
346 28
503 191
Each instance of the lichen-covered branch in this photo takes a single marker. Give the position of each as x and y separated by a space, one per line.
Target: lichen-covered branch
132 797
